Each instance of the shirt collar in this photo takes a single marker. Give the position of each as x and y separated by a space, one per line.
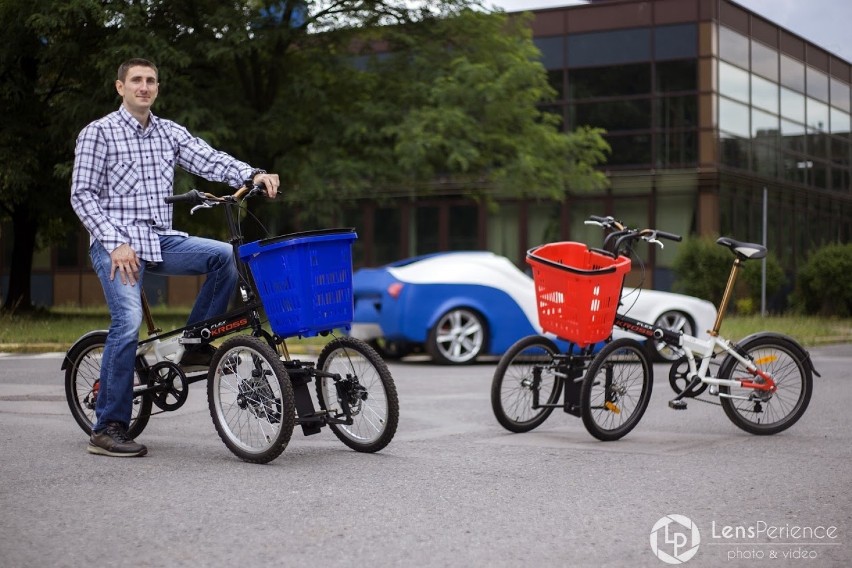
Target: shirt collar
131 121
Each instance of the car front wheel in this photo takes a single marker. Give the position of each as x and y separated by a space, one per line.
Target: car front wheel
458 337
674 321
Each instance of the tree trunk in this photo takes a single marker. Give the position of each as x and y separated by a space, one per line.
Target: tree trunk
24 231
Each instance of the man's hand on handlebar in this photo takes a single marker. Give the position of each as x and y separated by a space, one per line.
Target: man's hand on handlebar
270 182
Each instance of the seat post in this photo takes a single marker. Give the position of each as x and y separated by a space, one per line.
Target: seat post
726 297
149 319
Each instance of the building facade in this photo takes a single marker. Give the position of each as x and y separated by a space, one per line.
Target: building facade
713 112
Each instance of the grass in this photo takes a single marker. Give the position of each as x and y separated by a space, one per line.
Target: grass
56 329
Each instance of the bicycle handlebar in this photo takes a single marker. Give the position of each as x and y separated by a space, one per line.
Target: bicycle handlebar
621 234
200 199
192 196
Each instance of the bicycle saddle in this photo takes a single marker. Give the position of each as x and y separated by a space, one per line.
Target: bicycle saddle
743 250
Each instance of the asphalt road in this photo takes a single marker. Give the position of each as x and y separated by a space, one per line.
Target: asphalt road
452 489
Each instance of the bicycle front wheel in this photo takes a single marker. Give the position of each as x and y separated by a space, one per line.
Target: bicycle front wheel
616 389
759 412
251 399
525 380
82 384
363 388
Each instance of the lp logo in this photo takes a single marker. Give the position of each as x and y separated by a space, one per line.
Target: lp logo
675 539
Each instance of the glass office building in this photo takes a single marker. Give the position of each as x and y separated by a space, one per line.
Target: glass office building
708 108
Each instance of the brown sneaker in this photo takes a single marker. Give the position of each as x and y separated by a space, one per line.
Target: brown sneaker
113 441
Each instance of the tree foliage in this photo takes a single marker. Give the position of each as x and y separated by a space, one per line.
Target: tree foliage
343 98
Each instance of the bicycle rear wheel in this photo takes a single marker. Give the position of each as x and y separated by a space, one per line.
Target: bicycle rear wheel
616 389
251 399
82 381
759 412
364 385
525 374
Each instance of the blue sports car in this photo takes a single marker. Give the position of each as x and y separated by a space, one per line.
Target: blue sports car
457 306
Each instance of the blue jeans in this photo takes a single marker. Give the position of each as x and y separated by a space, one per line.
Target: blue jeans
181 256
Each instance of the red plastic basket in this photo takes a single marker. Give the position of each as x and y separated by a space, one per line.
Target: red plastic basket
577 290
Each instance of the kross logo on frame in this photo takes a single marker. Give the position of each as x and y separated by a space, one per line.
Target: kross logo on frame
675 539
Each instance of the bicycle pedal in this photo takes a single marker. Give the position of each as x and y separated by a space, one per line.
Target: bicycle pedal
677 404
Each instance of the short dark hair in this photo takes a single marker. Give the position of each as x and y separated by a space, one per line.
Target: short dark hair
135 62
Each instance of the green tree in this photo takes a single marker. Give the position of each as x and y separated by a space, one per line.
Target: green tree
342 97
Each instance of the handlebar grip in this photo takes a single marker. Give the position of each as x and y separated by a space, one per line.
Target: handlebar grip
192 196
669 236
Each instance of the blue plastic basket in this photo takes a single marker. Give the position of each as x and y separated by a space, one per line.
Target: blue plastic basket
304 280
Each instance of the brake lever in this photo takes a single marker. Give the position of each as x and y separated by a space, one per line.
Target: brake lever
204 205
652 239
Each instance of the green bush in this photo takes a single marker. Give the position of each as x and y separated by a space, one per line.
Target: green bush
824 284
701 268
751 276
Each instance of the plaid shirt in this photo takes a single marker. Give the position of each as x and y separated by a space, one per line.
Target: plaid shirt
122 172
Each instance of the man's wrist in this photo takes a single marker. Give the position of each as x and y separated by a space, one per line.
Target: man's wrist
254 173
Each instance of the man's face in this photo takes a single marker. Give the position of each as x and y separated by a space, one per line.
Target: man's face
139 89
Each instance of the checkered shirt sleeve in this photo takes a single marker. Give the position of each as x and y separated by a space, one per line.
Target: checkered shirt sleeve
123 171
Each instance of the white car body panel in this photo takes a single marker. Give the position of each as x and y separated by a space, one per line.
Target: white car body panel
489 269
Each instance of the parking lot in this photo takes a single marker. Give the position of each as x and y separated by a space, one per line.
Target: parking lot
452 489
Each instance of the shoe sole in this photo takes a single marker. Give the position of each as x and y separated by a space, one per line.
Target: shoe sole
97 450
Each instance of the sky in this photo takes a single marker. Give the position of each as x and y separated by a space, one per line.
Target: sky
827 23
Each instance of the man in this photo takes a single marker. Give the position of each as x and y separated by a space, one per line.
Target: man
123 168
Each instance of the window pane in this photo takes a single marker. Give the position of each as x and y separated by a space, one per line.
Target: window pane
765 160
609 48
840 122
840 94
796 169
817 84
677 112
792 105
552 51
386 247
733 47
817 115
464 220
821 175
792 136
764 94
609 81
733 82
630 150
840 179
677 76
613 115
676 42
764 60
764 126
817 145
840 151
733 118
677 148
792 73
555 79
426 221
735 152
